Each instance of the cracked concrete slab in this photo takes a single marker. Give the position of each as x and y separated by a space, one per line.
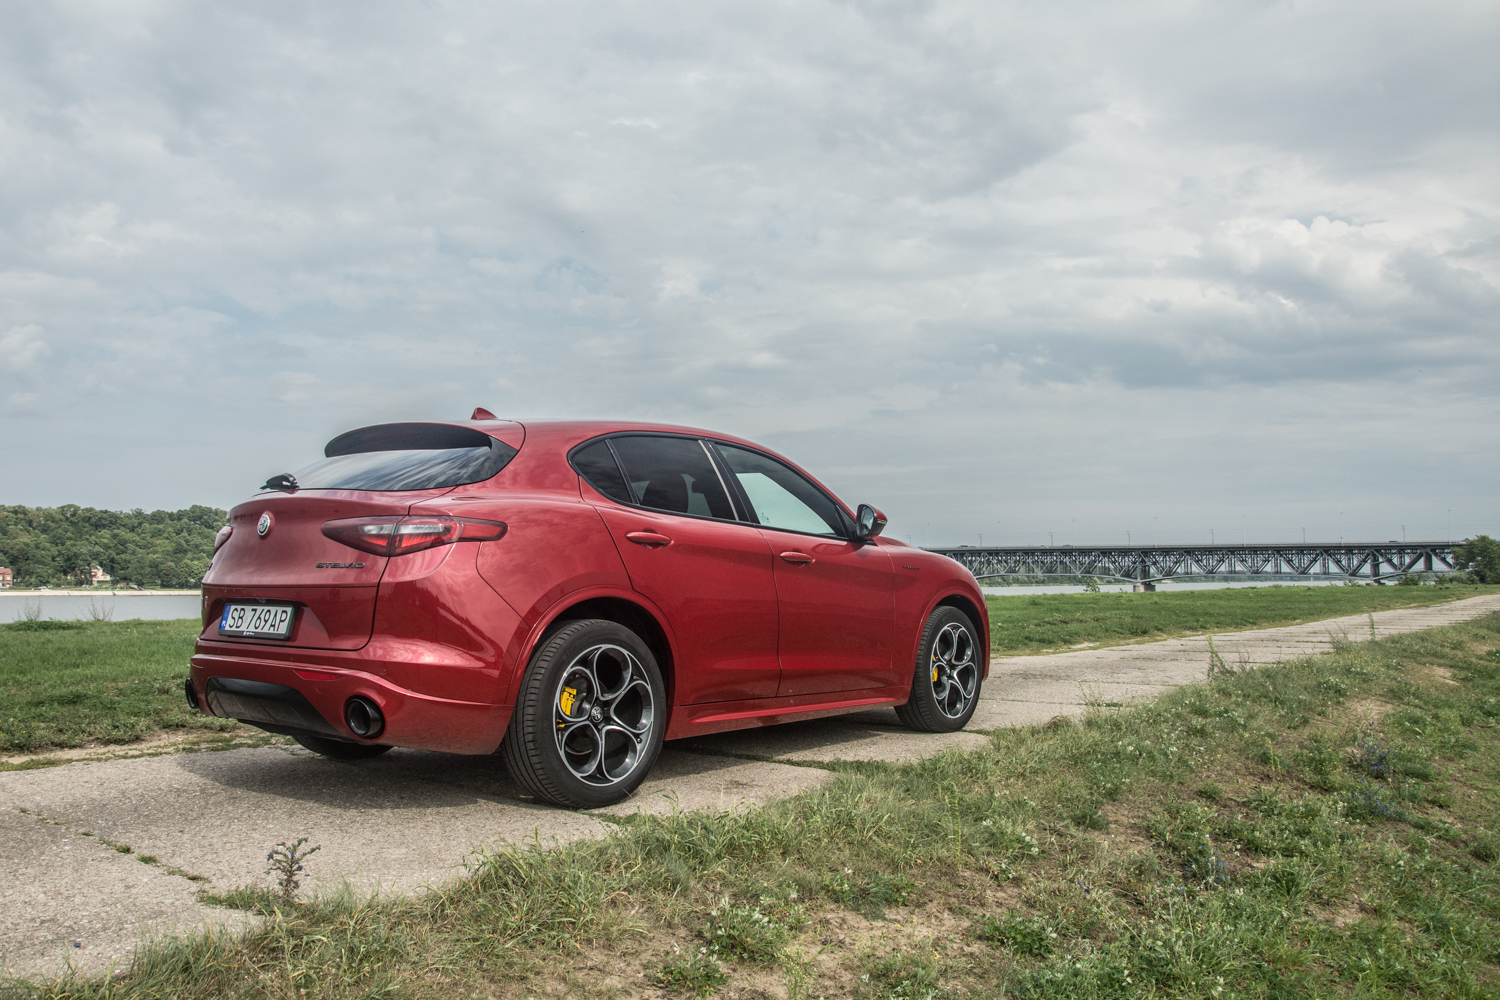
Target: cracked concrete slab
217 814
71 900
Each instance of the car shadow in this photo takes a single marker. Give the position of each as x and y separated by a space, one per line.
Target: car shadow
797 737
405 779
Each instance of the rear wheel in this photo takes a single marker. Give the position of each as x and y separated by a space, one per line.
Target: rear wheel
945 686
589 720
340 749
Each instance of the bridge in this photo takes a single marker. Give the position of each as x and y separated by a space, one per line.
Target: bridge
1148 565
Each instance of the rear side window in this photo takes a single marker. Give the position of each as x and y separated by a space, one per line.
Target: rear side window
596 463
673 474
779 497
395 457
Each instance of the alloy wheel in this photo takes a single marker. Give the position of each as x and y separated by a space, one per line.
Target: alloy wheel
603 711
954 670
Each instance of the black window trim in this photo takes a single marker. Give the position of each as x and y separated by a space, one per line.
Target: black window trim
620 465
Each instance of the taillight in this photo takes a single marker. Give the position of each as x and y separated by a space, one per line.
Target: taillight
368 534
396 536
222 537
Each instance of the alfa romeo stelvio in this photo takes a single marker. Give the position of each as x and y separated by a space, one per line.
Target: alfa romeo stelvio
570 594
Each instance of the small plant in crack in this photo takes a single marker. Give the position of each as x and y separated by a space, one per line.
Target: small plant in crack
286 861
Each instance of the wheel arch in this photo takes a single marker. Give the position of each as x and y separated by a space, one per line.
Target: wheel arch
623 611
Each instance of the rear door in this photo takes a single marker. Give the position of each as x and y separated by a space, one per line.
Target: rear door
835 598
686 552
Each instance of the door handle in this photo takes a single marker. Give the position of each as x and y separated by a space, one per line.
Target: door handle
650 539
797 558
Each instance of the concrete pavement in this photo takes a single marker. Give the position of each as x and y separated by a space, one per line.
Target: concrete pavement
409 819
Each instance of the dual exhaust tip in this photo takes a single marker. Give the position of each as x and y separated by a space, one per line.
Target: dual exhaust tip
363 717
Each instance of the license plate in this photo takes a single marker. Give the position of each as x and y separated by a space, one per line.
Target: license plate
257 621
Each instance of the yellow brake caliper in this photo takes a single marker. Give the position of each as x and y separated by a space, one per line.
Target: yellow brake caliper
565 702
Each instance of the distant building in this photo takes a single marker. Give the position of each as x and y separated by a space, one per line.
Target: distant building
6 578
90 577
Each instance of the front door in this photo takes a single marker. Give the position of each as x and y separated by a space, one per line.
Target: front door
836 597
709 573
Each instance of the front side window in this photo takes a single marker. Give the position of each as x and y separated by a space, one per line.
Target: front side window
673 474
779 497
394 457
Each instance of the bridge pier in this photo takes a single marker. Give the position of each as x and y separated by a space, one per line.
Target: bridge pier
1147 588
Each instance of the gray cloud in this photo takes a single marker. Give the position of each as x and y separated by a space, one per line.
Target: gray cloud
1037 260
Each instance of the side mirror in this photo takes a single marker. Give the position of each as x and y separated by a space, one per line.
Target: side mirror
868 522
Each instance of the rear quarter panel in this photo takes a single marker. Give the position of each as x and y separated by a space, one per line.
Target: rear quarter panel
554 548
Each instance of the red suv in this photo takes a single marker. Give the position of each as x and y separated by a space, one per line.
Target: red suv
570 594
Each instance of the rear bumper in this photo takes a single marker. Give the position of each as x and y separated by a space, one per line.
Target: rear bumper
413 720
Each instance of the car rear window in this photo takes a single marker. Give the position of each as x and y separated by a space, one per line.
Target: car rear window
395 457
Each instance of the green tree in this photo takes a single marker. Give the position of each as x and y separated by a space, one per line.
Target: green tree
53 545
1479 555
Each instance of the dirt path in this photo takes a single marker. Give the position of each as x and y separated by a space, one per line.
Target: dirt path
99 853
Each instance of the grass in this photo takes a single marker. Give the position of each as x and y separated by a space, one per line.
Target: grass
66 684
1323 828
1046 622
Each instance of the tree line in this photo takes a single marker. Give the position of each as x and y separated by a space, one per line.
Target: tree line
56 546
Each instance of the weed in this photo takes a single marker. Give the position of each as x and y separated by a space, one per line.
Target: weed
904 975
286 861
871 894
1368 802
695 971
744 933
1204 869
1027 936
1216 664
1319 764
1372 758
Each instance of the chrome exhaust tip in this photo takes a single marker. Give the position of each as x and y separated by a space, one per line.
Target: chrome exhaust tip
363 717
192 694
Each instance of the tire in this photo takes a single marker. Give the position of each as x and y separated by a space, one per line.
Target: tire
589 718
339 749
945 683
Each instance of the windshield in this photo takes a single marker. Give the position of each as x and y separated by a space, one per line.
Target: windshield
395 457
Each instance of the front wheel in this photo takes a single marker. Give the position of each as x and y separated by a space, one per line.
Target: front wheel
945 685
589 720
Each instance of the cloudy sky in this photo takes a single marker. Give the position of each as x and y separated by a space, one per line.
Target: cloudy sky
1162 267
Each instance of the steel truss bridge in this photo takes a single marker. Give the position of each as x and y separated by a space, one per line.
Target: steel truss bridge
1151 564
